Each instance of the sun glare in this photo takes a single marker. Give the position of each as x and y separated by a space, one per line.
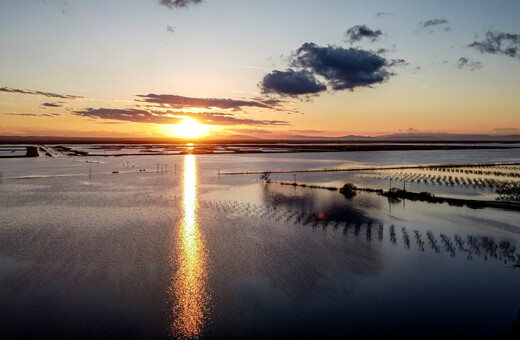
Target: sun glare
189 128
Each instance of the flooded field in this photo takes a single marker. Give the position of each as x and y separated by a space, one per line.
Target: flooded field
165 247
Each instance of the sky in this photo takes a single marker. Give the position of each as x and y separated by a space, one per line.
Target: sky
266 69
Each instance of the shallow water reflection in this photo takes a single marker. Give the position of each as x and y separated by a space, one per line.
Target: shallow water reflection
189 286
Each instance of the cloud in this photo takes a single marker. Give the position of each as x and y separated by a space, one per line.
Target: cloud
319 68
429 25
343 68
472 65
39 93
255 131
433 22
162 117
307 131
359 32
397 62
382 14
499 43
33 114
170 29
178 3
181 102
291 83
55 104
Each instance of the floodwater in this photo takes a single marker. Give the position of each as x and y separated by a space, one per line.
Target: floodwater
145 253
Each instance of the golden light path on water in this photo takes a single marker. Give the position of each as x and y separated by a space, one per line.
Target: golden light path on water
189 289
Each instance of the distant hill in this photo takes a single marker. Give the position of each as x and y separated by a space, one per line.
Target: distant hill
418 137
450 137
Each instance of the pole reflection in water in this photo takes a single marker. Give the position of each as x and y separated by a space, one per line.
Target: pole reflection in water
189 287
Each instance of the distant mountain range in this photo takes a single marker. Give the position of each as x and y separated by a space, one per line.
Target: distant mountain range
419 137
391 138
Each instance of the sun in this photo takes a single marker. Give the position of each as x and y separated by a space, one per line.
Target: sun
189 128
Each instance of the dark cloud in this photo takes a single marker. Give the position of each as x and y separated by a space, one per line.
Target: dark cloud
429 25
499 43
170 29
340 69
472 65
181 102
159 117
291 83
55 104
178 3
39 93
33 114
359 32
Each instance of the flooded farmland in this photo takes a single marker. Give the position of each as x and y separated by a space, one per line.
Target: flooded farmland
170 247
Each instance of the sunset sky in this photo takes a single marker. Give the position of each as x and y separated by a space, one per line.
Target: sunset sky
266 69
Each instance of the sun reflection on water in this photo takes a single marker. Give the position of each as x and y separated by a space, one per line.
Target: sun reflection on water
189 289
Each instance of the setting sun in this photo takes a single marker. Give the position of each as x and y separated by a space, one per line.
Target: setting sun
189 128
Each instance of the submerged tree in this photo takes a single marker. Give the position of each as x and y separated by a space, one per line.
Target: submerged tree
348 190
266 177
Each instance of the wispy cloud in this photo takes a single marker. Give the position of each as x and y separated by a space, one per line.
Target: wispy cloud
499 43
54 104
382 14
39 93
360 32
168 117
315 69
32 114
181 102
432 24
